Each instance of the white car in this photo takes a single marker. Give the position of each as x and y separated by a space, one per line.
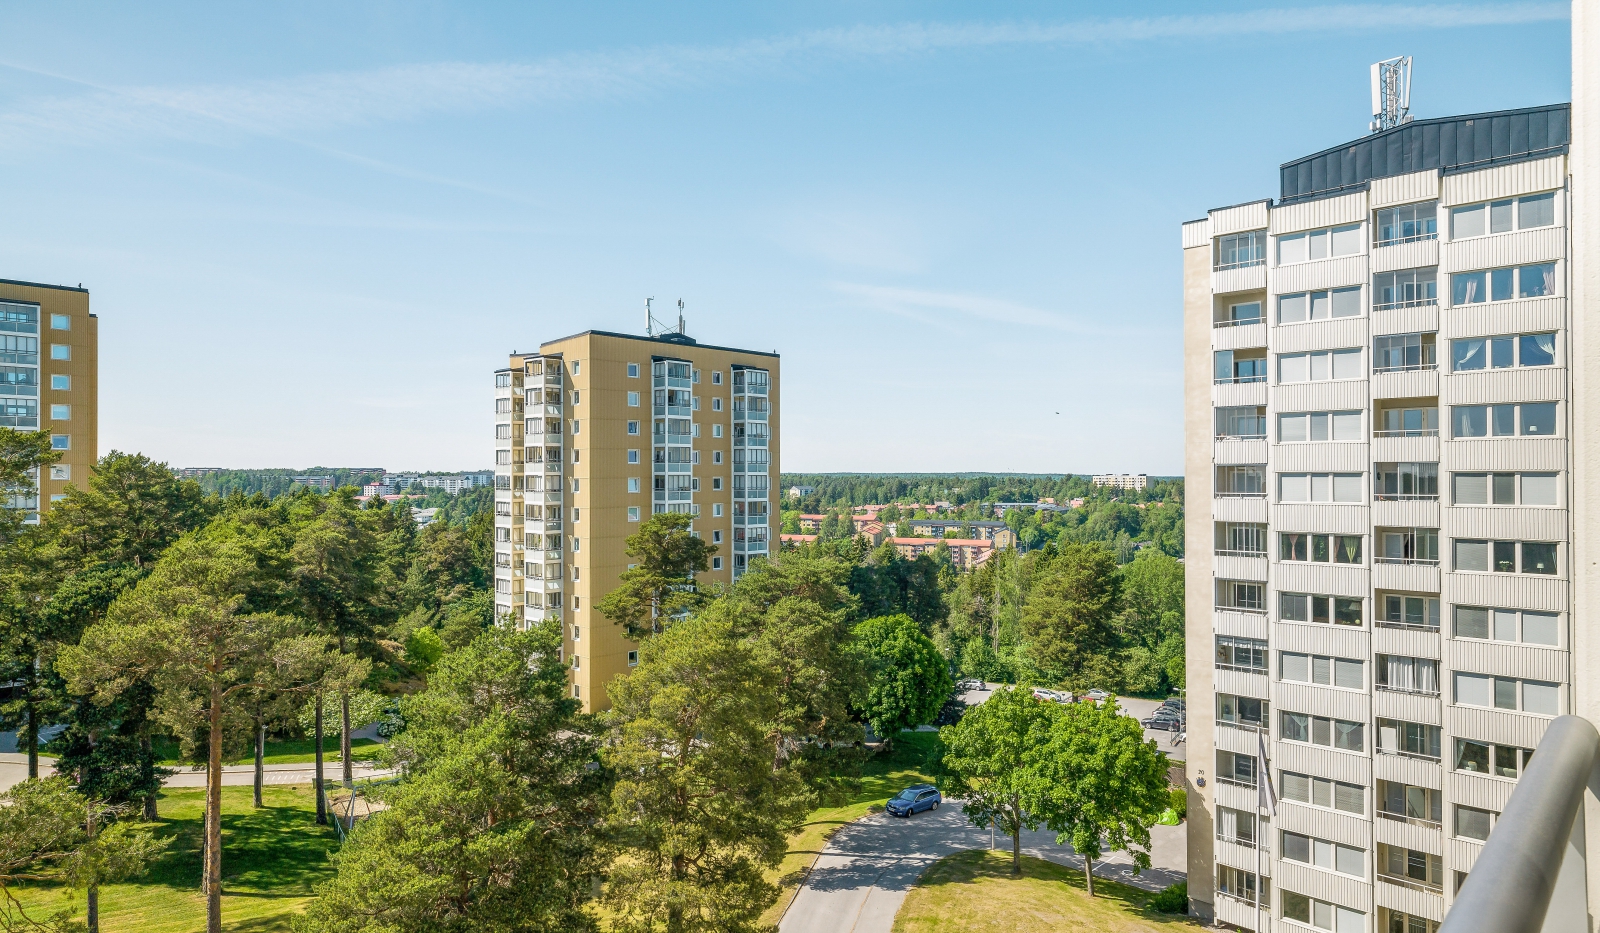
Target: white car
1097 694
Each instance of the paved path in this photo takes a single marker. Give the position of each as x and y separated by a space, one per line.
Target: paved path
863 875
14 769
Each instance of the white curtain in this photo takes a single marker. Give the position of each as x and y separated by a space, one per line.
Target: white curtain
1228 824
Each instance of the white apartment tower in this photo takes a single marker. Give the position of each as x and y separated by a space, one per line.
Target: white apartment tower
1379 419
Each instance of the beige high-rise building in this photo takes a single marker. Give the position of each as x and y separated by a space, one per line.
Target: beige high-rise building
596 432
49 379
1381 429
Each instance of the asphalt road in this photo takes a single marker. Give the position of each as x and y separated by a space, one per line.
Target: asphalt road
14 769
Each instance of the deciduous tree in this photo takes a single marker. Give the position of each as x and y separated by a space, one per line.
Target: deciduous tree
908 680
1069 611
988 757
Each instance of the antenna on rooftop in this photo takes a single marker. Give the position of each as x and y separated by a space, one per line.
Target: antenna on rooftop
680 315
1391 93
653 327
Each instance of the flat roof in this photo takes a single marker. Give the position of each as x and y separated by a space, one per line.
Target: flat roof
666 339
64 288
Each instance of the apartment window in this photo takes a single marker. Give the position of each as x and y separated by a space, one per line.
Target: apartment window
574 691
1244 481
1531 281
716 377
60 412
696 377
1401 421
576 455
1242 595
1397 353
1321 914
1413 611
1473 823
1405 802
1241 539
1408 675
633 658
1247 712
1405 481
1535 210
1236 769
60 351
1412 739
1528 696
1407 223
1238 250
1338 549
633 484
1236 826
1321 730
633 372
716 404
61 442
575 426
60 322
1412 865
1242 654
575 513
1408 288
1319 244
1532 628
633 456
1320 366
1320 669
716 510
716 482
716 430
1529 419
1501 556
716 563
716 537
1321 792
716 456
1240 884
1246 422
1506 488
60 382
1237 366
633 427
1319 306
577 367
1503 352
633 400
1319 487
1245 312
1347 860
1488 758
61 471
1408 545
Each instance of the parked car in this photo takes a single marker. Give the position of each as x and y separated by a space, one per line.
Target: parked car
1176 703
1163 720
914 798
972 685
1097 694
1049 696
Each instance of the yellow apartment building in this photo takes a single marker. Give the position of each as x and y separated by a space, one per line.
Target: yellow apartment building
596 432
49 378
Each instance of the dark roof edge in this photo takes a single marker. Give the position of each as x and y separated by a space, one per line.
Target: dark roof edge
64 288
654 340
1229 207
1403 126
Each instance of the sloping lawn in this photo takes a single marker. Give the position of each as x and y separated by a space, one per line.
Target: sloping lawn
974 892
271 860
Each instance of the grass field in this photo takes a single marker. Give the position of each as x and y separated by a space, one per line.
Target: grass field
281 752
271 860
974 892
910 762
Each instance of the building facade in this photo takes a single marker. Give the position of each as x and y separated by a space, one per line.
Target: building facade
1379 412
49 380
596 432
1121 480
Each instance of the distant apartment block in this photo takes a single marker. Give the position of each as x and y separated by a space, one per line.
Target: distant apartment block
796 492
196 472
965 553
49 380
1121 480
596 432
998 532
319 483
448 482
379 489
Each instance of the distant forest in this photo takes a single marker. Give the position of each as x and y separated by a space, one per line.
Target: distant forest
457 507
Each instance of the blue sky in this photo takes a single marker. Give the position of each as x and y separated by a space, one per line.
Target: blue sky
311 234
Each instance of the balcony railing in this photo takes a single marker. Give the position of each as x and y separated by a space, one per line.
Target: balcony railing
1229 553
1227 494
1241 841
1434 562
1412 883
1247 437
1414 238
1403 818
1403 753
1408 432
1414 303
1405 497
1242 264
1236 782
1414 691
1415 626
1224 666
1242 724
1238 380
1411 368
1239 322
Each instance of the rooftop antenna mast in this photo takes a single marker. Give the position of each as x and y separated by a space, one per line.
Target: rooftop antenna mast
655 328
680 315
1391 93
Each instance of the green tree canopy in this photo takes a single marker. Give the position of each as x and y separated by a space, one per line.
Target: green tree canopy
987 760
908 680
661 584
1069 612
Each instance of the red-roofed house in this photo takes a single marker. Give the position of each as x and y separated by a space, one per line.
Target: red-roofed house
965 553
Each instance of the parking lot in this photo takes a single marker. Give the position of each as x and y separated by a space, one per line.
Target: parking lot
1132 706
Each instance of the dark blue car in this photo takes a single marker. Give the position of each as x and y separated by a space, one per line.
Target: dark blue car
914 798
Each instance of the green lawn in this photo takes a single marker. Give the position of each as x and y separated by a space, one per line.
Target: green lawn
271 860
974 892
281 752
911 762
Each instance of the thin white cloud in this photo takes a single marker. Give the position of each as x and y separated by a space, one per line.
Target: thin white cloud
942 309
407 92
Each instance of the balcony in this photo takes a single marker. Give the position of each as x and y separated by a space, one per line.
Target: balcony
1412 883
1405 432
1422 561
1403 818
1414 303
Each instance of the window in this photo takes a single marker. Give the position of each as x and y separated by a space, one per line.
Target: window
716 563
1318 669
575 426
1319 487
1535 628
1248 422
1239 594
1502 352
575 394
1404 609
1320 730
61 442
1240 884
716 482
1403 801
633 484
1241 539
1400 421
1411 864
1242 654
1230 366
1236 826
61 471
1238 250
1320 366
716 456
1532 281
716 430
1487 758
716 377
576 367
1322 915
633 400
633 427
1529 419
1412 739
1321 792
1236 769
1333 856
1535 210
716 404
1528 696
1319 306
60 382
60 322
1474 823
1248 312
1339 549
60 412
696 378
1408 675
1408 545
633 456
716 510
633 372
716 537
1405 481
60 351
1501 556
1505 488
1397 353
1302 607
1248 712
1249 481
1409 288
1319 244
1406 223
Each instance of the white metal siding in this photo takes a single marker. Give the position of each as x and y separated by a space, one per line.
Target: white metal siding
1323 212
1237 219
1413 255
1404 189
1499 182
1319 273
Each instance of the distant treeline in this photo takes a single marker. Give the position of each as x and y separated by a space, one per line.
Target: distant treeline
840 489
454 507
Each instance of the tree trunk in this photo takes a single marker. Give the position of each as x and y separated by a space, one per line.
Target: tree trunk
674 912
214 818
32 733
261 754
322 803
92 908
1016 849
347 768
1088 874
150 813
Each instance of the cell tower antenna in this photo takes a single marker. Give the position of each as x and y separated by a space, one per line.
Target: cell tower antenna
680 315
1391 93
649 319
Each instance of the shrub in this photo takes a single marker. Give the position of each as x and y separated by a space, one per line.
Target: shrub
1173 899
1179 801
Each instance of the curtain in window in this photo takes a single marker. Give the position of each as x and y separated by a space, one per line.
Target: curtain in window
1545 342
1469 354
1228 824
1549 277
